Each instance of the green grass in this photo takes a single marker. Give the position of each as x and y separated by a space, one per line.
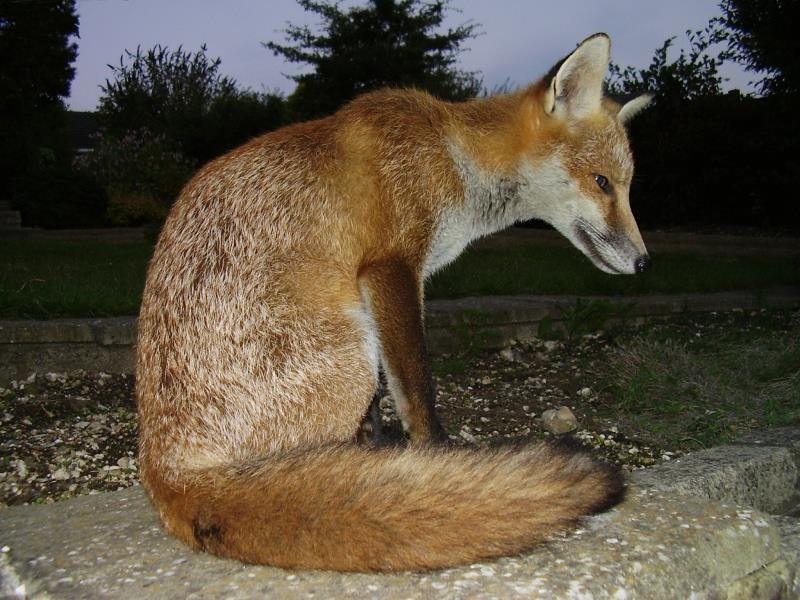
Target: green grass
554 270
49 279
691 391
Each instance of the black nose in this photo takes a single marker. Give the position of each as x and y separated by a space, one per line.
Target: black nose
642 263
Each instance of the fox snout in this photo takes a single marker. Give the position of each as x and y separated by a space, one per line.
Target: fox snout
611 251
642 263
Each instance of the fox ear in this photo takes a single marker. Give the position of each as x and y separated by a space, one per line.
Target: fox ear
576 84
633 107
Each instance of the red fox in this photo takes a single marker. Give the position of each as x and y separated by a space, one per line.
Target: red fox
291 269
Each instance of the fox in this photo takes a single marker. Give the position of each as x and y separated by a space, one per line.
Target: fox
291 270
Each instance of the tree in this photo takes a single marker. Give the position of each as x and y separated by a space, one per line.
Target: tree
762 36
36 56
183 96
382 43
693 74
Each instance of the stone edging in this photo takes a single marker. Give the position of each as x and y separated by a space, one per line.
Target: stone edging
61 345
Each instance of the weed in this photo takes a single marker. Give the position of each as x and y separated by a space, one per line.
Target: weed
473 331
584 317
450 365
705 394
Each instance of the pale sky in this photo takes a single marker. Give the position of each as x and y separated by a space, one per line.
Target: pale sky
519 39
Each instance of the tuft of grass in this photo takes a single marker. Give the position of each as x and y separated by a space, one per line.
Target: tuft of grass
585 317
450 365
699 395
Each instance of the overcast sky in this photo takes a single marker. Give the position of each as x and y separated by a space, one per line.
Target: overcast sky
519 41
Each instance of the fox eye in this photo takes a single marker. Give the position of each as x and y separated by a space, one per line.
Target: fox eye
602 181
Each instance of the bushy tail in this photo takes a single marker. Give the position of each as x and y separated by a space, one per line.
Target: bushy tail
353 508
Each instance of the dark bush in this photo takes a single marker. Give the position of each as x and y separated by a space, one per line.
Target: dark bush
728 160
141 174
183 96
60 197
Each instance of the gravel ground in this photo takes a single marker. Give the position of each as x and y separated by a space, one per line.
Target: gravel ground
501 397
70 434
65 435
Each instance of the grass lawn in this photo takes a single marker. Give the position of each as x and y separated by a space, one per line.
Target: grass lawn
50 279
545 269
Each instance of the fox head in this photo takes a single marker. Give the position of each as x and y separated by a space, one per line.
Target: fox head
579 167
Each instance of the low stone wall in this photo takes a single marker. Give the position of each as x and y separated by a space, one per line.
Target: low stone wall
490 322
117 235
493 321
62 345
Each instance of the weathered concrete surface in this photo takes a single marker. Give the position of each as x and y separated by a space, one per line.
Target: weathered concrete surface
652 546
665 541
758 470
764 478
780 437
491 322
789 528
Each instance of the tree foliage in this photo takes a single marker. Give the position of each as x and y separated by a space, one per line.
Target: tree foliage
36 56
382 43
693 74
183 96
762 36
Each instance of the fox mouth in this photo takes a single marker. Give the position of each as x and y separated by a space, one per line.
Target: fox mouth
589 239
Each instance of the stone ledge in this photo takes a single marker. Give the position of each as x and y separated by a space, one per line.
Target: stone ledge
760 469
665 541
653 546
492 310
490 322
763 478
105 332
789 528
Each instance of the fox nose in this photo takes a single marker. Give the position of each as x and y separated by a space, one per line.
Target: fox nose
642 263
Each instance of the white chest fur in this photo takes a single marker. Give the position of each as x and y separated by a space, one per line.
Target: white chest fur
491 203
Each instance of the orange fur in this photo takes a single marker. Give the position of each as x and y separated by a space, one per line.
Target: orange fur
292 267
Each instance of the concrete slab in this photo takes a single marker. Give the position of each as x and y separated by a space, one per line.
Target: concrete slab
654 545
761 477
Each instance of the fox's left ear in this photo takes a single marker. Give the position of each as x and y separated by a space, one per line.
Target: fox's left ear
633 107
576 87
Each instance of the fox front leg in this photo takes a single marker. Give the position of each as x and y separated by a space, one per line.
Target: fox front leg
393 294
